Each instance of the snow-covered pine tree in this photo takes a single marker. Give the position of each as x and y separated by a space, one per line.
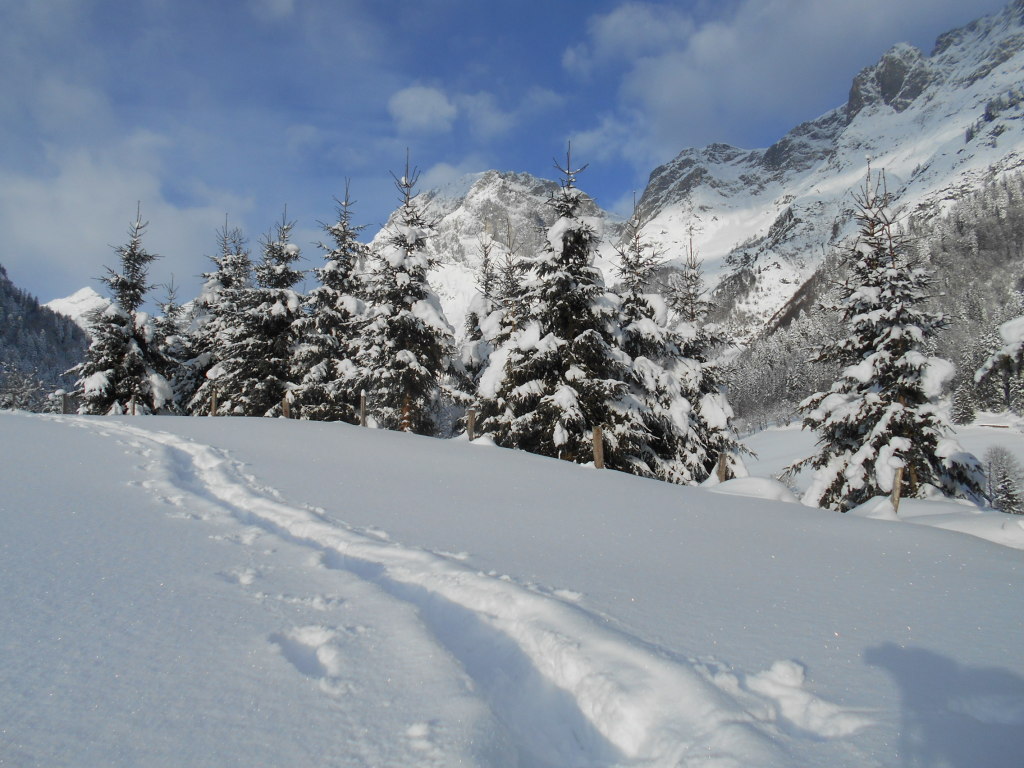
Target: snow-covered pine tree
712 437
1006 363
215 318
509 295
476 347
654 358
560 375
253 374
324 363
121 372
964 404
1005 479
407 344
173 344
880 415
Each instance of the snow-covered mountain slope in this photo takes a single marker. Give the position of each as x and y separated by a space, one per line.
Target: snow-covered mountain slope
939 125
241 592
510 210
79 305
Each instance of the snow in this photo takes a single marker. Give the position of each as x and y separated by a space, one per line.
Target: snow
1012 331
79 305
777 447
262 592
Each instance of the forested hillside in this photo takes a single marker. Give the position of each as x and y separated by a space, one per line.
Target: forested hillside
37 346
976 255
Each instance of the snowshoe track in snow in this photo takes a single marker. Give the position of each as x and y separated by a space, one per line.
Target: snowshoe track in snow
568 689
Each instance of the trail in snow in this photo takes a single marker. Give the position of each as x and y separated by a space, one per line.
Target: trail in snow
568 689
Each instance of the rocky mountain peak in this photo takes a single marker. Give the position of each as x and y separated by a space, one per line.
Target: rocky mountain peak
900 76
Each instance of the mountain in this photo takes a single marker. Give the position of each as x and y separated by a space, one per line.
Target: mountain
79 305
489 206
37 345
939 125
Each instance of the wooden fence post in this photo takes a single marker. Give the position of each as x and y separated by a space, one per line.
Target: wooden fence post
723 467
598 448
65 403
471 423
406 425
286 410
362 408
897 484
133 405
213 401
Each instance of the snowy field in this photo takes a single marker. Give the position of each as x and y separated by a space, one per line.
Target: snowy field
260 592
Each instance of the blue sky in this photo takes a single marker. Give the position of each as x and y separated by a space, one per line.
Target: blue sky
201 109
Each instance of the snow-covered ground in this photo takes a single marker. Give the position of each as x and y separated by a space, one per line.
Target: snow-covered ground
260 592
777 447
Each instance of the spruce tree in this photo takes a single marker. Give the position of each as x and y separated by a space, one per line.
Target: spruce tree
964 404
324 363
173 344
216 318
476 347
654 355
254 372
121 372
712 437
407 344
559 375
1004 480
880 416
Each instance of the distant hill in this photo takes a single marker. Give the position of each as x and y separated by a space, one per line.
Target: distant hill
37 345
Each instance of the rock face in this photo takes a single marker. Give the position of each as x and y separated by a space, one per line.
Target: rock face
492 205
762 220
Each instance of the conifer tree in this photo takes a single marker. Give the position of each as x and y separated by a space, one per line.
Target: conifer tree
878 424
712 437
476 347
1004 480
653 352
407 344
559 375
253 374
964 405
173 344
324 363
217 319
121 372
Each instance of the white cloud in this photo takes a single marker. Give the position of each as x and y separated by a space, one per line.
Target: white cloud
486 119
58 227
420 109
633 30
445 173
272 10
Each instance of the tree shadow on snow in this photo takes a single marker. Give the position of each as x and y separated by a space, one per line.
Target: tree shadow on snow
954 716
